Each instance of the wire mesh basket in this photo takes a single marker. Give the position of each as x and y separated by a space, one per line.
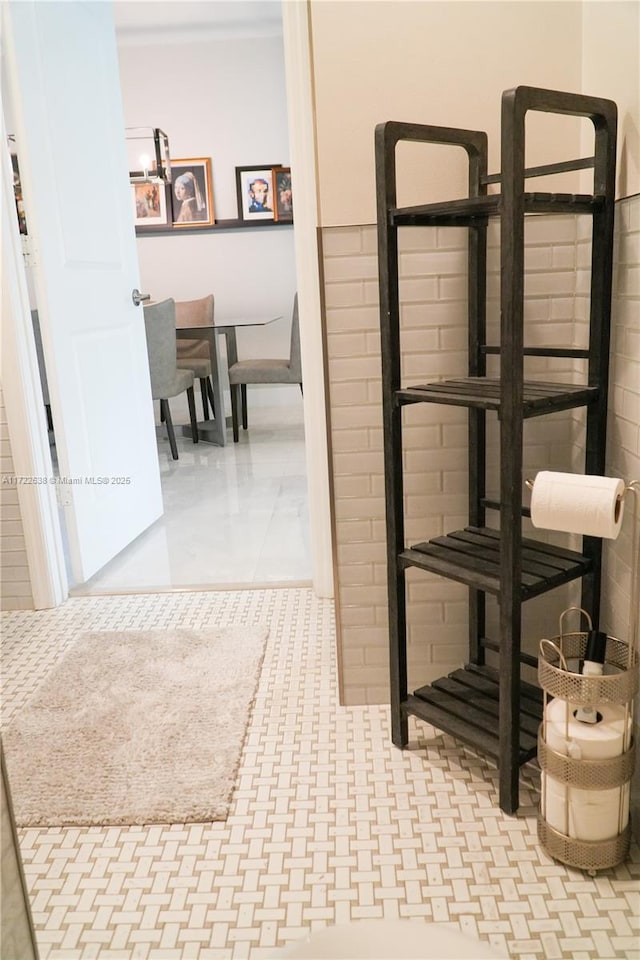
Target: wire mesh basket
568 781
620 685
589 855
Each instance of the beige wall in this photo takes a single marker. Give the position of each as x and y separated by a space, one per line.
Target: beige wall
611 68
447 64
437 63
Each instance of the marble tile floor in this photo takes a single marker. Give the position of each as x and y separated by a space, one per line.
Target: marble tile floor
330 823
233 515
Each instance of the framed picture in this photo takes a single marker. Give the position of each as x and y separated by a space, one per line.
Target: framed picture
151 204
192 193
283 197
255 192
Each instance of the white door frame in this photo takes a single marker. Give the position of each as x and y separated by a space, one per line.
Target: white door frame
25 413
21 386
302 144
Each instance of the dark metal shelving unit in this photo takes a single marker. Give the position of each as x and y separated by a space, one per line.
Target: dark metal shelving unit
494 711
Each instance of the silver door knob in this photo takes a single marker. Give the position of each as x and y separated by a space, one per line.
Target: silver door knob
138 297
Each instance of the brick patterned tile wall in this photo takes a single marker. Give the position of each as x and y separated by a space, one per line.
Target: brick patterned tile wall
15 579
623 446
433 334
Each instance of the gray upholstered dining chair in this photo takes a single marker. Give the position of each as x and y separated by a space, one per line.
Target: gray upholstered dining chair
194 354
281 370
166 379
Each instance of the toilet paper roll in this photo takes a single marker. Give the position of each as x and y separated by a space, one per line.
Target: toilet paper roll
584 814
586 741
574 503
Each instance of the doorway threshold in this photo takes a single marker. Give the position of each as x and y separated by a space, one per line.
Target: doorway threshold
85 591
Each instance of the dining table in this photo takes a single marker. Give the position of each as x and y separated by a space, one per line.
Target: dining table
215 429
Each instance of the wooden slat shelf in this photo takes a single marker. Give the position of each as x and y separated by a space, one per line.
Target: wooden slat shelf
472 556
484 393
485 678
466 211
466 705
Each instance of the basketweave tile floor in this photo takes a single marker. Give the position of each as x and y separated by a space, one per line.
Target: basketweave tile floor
330 822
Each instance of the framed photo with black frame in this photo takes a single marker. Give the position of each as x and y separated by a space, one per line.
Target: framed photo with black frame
254 186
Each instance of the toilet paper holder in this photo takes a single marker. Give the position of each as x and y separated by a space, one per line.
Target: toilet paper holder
617 685
618 504
631 488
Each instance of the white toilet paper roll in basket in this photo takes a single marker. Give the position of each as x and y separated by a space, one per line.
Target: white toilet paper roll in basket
585 814
586 741
575 503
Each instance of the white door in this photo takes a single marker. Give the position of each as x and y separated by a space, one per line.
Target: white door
65 92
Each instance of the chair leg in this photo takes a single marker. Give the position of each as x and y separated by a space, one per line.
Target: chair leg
212 402
165 414
203 392
245 420
191 400
234 411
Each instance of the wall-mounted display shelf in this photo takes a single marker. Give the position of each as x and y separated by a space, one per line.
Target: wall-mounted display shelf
218 225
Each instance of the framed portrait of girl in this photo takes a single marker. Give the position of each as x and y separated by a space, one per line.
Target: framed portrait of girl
192 193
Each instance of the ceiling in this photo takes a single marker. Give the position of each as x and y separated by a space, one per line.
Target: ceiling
150 20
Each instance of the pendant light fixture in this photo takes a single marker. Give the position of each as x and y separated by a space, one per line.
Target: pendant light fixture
148 152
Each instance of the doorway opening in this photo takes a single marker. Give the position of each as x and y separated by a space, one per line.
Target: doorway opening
183 248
